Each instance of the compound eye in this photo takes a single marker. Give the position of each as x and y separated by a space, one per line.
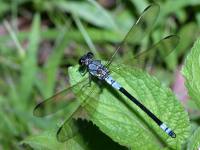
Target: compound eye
80 61
90 54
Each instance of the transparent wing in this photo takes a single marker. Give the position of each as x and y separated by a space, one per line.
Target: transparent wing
58 101
69 129
162 48
138 31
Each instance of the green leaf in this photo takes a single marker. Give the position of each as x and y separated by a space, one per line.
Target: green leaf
97 35
171 6
140 5
123 121
83 10
84 33
53 62
4 7
89 137
191 71
46 140
194 142
29 64
188 34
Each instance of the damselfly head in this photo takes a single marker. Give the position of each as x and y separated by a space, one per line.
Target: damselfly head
84 60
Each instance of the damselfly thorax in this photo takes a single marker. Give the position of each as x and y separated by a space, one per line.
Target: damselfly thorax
94 67
101 72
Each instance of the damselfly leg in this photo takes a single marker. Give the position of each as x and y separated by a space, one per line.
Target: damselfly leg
99 71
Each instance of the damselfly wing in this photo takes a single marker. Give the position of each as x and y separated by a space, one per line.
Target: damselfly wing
58 101
162 49
140 29
143 26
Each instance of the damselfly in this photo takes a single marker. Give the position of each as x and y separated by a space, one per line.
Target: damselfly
101 72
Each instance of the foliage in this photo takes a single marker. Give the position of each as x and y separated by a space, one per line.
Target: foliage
191 73
40 39
126 125
194 142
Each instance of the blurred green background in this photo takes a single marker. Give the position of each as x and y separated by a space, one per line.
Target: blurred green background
39 39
